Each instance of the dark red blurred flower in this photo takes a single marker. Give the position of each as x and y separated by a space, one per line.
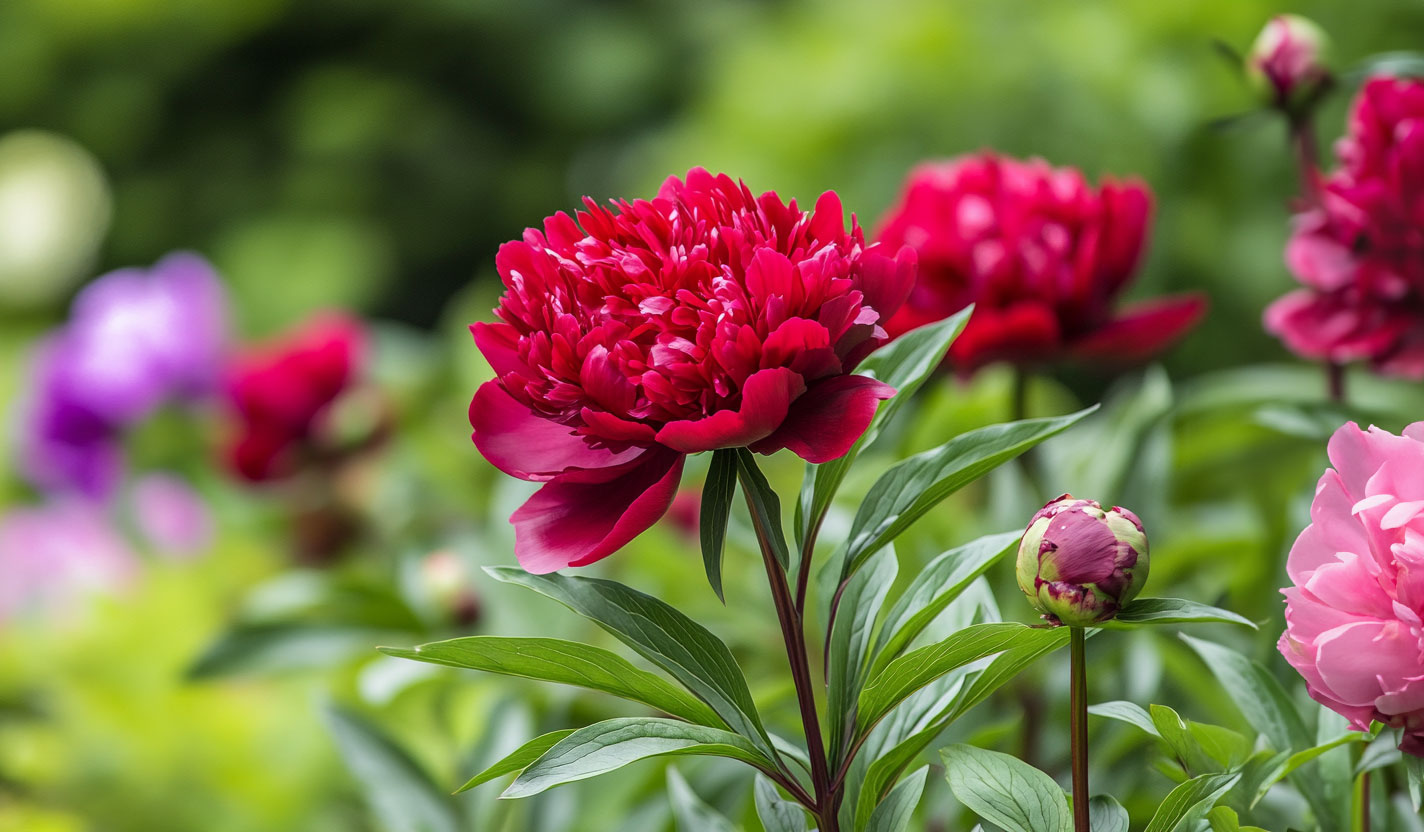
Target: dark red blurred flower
1360 251
706 318
1041 254
281 389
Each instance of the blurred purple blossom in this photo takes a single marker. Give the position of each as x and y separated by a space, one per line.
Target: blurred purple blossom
171 516
55 554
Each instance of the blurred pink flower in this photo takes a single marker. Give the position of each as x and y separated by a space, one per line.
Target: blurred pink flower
52 556
1287 61
1041 254
1360 252
706 318
1353 617
172 517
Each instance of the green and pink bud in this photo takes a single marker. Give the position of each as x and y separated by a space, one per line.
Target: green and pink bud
1287 63
1079 564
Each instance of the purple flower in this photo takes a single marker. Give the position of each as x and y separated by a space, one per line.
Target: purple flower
52 555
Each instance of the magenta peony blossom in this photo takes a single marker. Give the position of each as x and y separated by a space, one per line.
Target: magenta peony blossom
1360 252
706 318
1041 254
1353 617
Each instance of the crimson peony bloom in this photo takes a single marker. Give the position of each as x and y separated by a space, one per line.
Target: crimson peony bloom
281 390
634 335
1360 252
1042 256
1353 616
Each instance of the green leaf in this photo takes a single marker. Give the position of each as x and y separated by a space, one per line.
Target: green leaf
717 494
1145 611
895 811
905 364
614 743
1105 814
777 813
1005 790
662 635
935 586
565 662
918 668
1414 775
1190 800
1128 712
765 505
1256 692
911 488
517 760
850 637
1224 819
400 793
692 814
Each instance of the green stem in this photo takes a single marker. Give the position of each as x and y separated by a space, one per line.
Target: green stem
1361 820
1079 728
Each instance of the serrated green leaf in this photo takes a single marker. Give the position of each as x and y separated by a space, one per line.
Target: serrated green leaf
935 586
765 505
850 638
895 811
1148 611
1105 814
777 813
918 668
1128 712
909 489
517 760
690 811
717 494
400 792
565 662
1005 790
614 743
1191 800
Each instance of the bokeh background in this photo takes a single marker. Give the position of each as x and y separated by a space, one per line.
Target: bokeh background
372 155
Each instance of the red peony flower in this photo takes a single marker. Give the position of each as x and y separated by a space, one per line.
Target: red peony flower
1041 255
280 391
1360 252
706 318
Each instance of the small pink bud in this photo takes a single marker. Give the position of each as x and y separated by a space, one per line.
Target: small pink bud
1287 62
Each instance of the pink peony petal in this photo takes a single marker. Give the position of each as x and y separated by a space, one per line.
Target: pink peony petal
574 524
499 343
523 444
1352 658
766 398
824 423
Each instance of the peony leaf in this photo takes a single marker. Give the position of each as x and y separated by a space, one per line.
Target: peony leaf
518 759
614 743
401 794
934 587
565 662
1005 790
850 637
895 811
692 814
764 505
777 813
909 489
1105 814
717 494
905 364
1256 692
1190 800
1146 611
662 635
1129 712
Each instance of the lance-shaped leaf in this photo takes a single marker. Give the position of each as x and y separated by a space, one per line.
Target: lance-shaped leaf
1172 611
918 668
1191 800
1129 712
905 364
895 811
850 636
1105 814
565 662
764 504
777 813
614 743
1256 692
1005 790
400 792
518 759
717 494
662 635
935 586
691 812
904 493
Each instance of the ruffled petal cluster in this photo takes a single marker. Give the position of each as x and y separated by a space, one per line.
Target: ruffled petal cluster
1360 252
632 335
1042 255
1353 615
281 390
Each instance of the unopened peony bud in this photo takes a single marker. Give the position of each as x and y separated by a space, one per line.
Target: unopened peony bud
1079 564
1287 62
446 582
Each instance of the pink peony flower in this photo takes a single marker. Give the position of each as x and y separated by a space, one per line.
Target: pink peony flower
1041 254
1353 617
706 318
1360 253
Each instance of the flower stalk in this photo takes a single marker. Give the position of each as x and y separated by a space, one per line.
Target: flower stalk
1078 725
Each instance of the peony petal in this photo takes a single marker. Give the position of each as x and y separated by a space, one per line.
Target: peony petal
766 398
1351 657
1141 331
827 420
574 524
499 344
523 444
